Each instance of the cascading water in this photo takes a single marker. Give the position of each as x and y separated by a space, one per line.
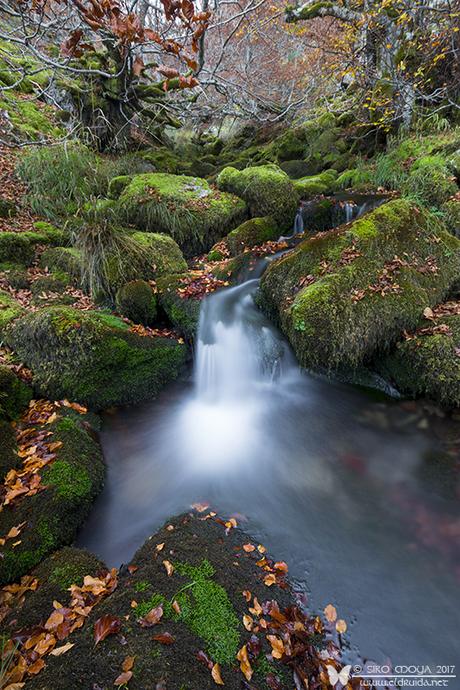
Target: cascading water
350 492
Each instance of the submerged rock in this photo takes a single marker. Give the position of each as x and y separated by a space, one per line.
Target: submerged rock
187 208
267 190
428 362
344 294
93 357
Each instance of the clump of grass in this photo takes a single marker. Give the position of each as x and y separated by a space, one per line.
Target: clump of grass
108 254
61 178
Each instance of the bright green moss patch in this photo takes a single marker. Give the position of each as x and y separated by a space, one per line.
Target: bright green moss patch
267 190
137 301
187 208
252 233
9 309
322 183
69 483
30 120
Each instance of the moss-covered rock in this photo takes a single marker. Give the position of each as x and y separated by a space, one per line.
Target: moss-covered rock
252 233
10 309
316 184
183 312
341 296
137 301
16 247
430 181
117 185
54 282
267 190
15 395
187 208
8 446
290 145
15 274
427 364
53 516
50 234
163 252
295 168
93 357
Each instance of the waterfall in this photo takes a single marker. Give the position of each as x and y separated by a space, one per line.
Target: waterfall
298 223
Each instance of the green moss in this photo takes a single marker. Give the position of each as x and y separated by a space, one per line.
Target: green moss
267 190
66 575
252 233
93 357
290 145
15 395
28 119
137 301
295 168
7 208
430 181
316 184
16 246
69 482
186 208
8 446
451 212
63 259
117 185
337 319
162 252
16 275
9 310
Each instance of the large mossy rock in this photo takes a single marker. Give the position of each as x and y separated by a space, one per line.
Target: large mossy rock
19 247
51 517
267 190
93 357
251 233
187 208
427 363
316 184
64 259
15 395
342 295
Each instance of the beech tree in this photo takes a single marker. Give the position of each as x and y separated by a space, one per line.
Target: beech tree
399 53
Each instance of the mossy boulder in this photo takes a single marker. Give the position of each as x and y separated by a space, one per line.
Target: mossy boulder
50 234
53 516
10 309
183 312
137 301
65 567
55 282
187 208
430 181
295 168
252 233
316 184
427 364
7 207
341 296
211 570
19 247
15 395
267 190
93 357
163 252
8 447
290 145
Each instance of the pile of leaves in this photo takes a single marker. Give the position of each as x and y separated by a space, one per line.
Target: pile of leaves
36 448
25 652
199 283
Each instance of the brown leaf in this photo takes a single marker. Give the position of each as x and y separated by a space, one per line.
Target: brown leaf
107 625
216 676
128 663
62 650
270 580
277 646
164 638
331 613
249 547
341 626
169 567
152 618
123 678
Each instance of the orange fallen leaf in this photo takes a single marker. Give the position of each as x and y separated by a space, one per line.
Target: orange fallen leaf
277 646
152 617
216 675
341 626
36 667
248 622
256 609
176 606
261 549
270 580
249 547
128 663
168 567
245 666
331 613
160 547
106 625
247 595
62 650
281 566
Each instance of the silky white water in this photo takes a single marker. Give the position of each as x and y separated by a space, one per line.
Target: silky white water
354 494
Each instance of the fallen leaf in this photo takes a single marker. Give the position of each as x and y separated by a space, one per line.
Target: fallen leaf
341 626
270 580
164 638
277 646
123 678
428 313
215 673
169 567
261 549
248 622
36 667
281 566
249 547
245 666
128 663
331 613
200 507
62 650
176 606
152 617
107 625
160 547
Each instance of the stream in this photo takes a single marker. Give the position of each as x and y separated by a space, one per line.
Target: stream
357 494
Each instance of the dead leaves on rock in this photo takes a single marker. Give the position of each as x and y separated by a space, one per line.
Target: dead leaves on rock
199 283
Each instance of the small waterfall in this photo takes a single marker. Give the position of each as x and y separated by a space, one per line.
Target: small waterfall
299 225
